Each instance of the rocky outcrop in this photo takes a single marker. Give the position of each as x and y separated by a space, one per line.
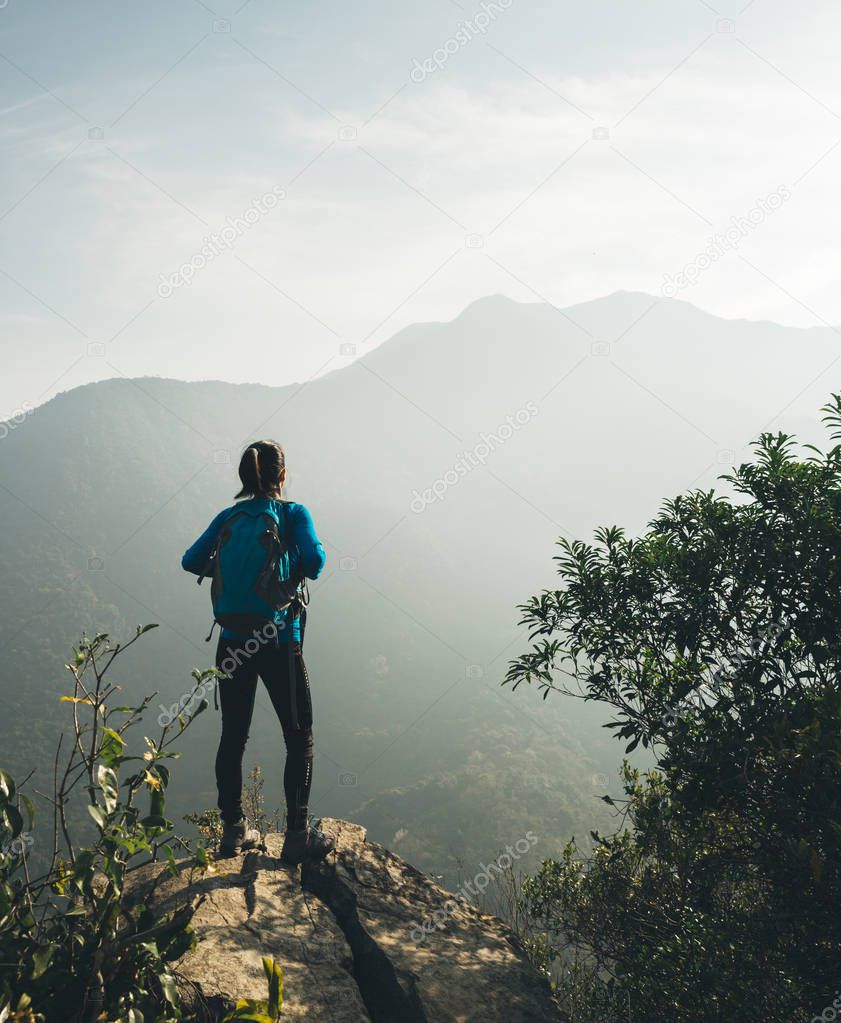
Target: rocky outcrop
349 936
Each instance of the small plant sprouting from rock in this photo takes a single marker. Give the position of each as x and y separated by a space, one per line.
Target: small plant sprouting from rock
208 823
251 1010
252 801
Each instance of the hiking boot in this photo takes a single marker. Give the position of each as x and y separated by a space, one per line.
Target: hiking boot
236 837
308 844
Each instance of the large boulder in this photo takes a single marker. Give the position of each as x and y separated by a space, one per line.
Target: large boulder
349 934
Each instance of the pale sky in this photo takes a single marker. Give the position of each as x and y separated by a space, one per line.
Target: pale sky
565 152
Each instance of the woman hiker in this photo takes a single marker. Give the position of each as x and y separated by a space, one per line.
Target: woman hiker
262 637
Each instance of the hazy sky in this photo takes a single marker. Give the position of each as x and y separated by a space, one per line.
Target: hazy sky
559 151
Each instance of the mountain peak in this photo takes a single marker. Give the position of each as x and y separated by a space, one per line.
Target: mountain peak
494 300
619 302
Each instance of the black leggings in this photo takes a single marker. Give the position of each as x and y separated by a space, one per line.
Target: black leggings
276 665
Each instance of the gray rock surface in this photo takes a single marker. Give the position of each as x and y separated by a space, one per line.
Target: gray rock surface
347 935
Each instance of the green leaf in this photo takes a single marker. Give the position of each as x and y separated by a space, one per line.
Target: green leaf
7 785
145 628
97 814
83 867
130 843
169 988
108 784
14 820
5 900
154 822
274 975
111 748
249 1010
157 802
41 960
170 857
203 705
30 811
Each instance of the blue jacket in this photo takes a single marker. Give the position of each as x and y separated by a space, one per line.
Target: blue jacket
307 553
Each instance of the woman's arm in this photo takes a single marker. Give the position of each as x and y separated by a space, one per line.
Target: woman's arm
310 550
195 557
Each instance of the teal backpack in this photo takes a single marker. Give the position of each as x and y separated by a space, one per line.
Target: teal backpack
251 570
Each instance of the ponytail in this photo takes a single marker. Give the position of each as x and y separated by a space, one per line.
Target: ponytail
260 469
255 456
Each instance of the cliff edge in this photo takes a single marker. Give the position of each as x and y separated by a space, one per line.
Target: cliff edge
349 934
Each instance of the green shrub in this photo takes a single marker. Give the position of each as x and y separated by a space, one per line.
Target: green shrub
72 947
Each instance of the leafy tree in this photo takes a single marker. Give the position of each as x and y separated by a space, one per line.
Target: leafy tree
715 638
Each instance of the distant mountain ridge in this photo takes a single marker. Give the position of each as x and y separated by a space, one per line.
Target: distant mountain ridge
636 399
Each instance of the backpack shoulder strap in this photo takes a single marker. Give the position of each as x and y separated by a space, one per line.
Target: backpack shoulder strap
213 558
284 518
